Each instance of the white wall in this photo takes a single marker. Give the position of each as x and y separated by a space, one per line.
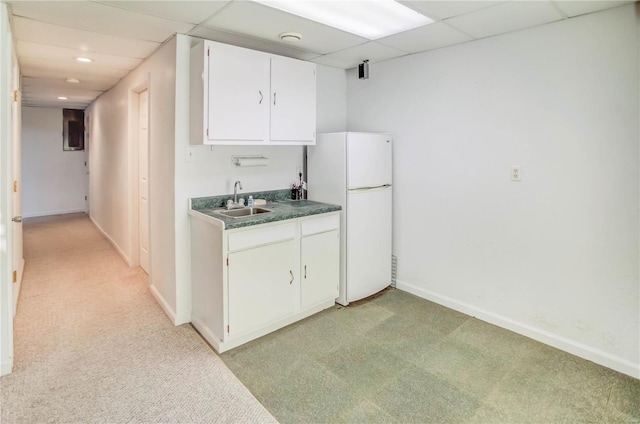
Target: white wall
52 179
554 256
113 156
114 167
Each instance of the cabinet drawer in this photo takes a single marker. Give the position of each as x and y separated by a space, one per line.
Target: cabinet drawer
320 224
261 236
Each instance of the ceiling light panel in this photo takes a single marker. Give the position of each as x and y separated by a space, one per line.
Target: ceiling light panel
448 9
368 19
256 20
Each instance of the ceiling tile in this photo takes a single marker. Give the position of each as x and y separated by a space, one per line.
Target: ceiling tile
192 12
330 61
575 8
447 9
371 51
72 94
251 43
428 37
90 83
27 49
259 21
53 103
505 17
100 18
33 67
55 35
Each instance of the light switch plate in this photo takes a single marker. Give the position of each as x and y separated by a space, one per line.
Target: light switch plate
190 154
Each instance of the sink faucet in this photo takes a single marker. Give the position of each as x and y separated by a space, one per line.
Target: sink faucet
235 191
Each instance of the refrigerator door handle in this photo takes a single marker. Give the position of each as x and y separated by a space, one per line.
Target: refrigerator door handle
369 187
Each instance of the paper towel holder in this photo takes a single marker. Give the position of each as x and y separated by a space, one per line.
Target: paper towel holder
251 160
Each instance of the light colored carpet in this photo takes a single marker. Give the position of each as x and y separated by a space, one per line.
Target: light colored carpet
92 344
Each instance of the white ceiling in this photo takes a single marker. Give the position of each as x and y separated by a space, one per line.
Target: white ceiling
119 35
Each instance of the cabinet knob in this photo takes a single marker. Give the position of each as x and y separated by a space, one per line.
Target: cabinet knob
261 97
291 282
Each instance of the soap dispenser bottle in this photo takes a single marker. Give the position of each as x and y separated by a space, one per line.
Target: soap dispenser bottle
250 202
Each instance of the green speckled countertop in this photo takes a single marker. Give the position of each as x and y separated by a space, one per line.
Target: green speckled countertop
278 201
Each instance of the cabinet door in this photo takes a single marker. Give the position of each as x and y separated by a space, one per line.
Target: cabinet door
293 101
262 287
320 272
238 95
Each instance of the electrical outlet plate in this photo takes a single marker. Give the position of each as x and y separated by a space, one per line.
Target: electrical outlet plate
516 173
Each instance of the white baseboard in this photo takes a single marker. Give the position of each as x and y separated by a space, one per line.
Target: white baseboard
56 212
6 367
183 318
576 348
164 305
113 243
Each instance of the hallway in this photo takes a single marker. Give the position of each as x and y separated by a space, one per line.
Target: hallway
92 344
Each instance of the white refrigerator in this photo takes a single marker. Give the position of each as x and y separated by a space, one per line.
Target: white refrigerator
354 170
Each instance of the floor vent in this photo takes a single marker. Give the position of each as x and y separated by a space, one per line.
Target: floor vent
394 270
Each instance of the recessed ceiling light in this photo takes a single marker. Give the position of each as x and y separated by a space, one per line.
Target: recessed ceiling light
73 80
84 59
369 19
291 36
62 98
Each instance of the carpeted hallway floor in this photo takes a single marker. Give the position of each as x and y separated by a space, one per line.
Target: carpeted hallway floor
92 344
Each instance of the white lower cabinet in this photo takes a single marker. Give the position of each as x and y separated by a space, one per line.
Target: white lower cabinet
261 286
250 281
320 271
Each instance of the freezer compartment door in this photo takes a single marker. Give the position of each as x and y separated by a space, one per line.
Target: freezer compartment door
369 158
368 253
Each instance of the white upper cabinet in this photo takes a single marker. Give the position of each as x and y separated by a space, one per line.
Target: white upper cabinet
238 95
242 96
293 103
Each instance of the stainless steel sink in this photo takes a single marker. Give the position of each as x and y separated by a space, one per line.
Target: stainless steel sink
239 213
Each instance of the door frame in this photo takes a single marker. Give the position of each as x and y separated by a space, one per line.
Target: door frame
134 154
16 171
141 160
7 57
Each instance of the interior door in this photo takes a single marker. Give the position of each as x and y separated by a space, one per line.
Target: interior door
87 174
143 177
16 197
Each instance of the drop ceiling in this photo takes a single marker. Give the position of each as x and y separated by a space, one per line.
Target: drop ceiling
119 35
